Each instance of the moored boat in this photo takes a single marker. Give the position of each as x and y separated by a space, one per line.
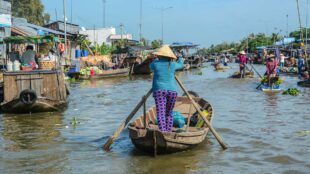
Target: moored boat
146 136
248 74
106 74
305 83
34 91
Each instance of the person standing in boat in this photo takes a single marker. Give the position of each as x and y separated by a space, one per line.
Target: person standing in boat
282 60
242 63
300 65
164 85
29 56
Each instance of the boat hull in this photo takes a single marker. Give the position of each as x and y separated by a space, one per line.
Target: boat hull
41 105
107 74
305 83
145 140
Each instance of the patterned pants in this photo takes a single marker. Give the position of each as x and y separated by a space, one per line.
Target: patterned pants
165 100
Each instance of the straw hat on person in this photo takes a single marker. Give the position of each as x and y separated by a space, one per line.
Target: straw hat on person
271 56
165 51
242 52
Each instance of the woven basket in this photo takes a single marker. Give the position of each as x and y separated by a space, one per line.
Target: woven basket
48 65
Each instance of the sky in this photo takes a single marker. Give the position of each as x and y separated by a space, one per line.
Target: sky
203 22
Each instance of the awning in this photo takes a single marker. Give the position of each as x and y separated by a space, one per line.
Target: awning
30 39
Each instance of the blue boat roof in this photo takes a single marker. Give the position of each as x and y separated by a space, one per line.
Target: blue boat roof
183 44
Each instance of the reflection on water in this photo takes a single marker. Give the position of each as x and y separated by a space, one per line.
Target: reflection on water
30 137
260 129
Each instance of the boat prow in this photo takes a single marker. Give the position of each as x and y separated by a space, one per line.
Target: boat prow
270 89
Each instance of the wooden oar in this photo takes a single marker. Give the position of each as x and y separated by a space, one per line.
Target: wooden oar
258 75
256 71
217 136
109 142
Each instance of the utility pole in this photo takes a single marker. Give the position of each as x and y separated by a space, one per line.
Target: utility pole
65 24
287 35
122 31
162 22
71 11
56 14
307 15
140 25
103 13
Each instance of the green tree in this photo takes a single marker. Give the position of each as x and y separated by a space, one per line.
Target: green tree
156 43
103 49
32 10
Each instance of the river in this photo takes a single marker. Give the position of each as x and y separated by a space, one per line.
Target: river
266 133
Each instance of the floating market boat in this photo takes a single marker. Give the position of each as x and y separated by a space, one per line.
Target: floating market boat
267 88
288 71
248 74
146 136
220 67
142 68
305 83
106 74
30 91
34 91
186 49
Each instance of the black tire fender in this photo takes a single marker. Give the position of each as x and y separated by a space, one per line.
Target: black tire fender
28 97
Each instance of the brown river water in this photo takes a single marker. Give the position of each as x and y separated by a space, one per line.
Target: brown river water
266 133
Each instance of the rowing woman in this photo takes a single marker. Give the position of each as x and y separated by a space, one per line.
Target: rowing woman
164 85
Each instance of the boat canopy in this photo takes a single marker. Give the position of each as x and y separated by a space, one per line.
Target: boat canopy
30 39
183 44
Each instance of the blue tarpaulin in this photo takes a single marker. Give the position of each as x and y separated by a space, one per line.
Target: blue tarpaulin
286 41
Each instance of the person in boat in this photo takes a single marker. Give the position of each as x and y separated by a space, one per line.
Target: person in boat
282 60
164 85
29 56
242 63
271 70
300 66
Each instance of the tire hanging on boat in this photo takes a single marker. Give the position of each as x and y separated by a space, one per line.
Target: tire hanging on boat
28 97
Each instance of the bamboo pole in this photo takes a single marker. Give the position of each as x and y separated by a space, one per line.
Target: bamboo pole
109 142
216 135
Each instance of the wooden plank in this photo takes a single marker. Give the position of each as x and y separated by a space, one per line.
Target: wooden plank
153 115
10 88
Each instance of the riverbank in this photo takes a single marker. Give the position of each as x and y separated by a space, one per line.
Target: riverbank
265 133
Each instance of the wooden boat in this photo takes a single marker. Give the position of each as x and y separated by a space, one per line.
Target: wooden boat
107 74
220 67
305 83
292 71
194 62
266 88
142 68
34 91
146 136
248 74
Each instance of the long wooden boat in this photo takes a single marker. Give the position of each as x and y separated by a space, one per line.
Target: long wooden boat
143 68
146 136
34 91
266 88
248 74
305 83
291 71
107 74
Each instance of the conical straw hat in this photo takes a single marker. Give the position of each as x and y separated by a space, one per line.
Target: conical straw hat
165 51
242 52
